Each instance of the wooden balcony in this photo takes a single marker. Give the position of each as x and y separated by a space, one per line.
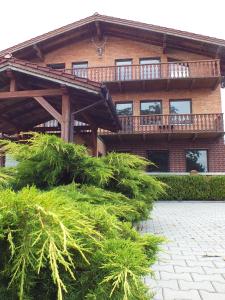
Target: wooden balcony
166 76
181 126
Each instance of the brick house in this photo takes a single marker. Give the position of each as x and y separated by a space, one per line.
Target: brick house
165 84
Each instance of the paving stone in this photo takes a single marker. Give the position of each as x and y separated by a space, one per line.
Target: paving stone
194 263
197 285
178 262
219 287
208 277
168 276
212 296
209 270
198 270
167 268
170 294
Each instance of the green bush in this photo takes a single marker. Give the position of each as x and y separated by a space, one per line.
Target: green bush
66 223
56 246
197 187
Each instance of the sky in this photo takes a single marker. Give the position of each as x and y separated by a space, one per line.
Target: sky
24 19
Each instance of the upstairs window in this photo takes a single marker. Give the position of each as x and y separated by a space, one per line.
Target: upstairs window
150 111
181 110
123 69
197 160
149 68
124 108
58 66
80 69
160 158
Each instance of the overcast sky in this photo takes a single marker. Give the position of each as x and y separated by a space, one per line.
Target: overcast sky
24 19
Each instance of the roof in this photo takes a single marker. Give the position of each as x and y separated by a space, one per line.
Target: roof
30 76
58 76
117 21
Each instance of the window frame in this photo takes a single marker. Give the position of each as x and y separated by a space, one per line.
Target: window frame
198 149
149 75
56 64
120 75
159 150
146 119
179 100
174 117
149 58
154 100
125 102
84 69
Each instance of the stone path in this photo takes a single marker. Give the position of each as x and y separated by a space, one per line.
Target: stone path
192 265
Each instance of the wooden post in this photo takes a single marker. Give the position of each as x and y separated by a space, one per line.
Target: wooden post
66 118
94 141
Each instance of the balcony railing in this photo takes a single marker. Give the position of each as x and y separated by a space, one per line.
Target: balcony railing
169 70
178 123
152 124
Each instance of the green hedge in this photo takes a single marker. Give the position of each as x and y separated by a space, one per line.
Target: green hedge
198 187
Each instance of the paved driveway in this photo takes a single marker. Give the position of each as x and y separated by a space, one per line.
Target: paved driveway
192 265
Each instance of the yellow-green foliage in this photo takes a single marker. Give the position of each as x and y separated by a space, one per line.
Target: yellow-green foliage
55 245
72 238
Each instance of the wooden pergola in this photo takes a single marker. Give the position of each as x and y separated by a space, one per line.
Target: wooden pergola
31 94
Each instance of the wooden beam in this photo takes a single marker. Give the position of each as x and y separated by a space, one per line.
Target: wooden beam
164 44
47 106
88 107
30 94
98 30
66 118
38 51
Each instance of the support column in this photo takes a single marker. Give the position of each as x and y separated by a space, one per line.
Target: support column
94 136
66 118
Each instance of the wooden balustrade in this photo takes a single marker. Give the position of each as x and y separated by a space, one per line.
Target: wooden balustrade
147 124
169 124
169 70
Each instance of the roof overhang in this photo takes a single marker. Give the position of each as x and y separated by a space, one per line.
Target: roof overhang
89 26
20 109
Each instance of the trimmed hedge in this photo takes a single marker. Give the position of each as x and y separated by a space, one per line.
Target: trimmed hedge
198 187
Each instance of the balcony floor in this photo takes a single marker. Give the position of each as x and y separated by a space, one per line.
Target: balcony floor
163 84
165 136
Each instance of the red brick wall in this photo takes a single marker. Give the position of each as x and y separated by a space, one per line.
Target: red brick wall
216 151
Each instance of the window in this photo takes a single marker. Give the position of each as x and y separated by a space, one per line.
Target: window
124 69
151 110
181 110
178 69
10 162
161 160
197 160
59 66
80 69
124 108
150 68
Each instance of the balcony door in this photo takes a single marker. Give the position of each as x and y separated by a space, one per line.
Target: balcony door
149 68
123 69
80 69
125 112
150 111
180 111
